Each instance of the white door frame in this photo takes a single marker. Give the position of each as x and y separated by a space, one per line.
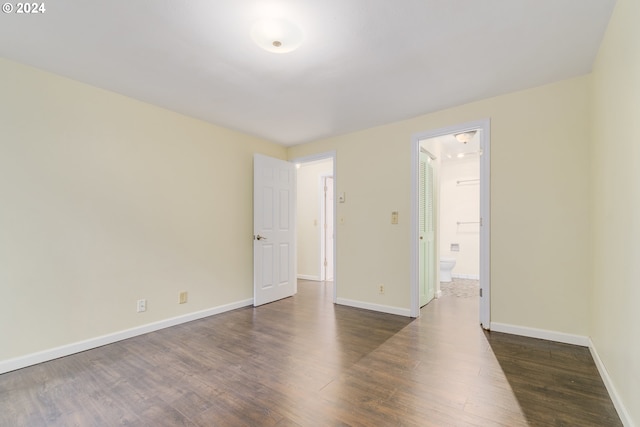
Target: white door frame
485 219
323 220
325 156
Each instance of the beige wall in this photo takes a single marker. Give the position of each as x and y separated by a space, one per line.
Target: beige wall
615 204
309 217
539 203
106 200
375 179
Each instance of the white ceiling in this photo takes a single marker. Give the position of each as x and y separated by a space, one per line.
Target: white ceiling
363 62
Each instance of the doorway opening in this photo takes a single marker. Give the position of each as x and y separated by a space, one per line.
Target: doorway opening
316 219
450 213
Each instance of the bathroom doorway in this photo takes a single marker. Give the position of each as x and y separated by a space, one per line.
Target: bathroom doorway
456 162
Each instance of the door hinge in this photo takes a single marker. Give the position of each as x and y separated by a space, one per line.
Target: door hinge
480 292
325 263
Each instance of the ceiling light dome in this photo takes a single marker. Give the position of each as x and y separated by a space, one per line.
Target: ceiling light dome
276 35
465 137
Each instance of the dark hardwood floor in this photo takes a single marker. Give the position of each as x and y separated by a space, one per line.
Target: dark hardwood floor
305 362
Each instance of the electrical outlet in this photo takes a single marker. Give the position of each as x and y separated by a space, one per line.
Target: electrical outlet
381 289
183 297
141 306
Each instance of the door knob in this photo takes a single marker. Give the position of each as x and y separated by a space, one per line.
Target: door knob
421 237
259 237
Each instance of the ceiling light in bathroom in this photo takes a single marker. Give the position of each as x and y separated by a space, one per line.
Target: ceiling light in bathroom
465 137
277 35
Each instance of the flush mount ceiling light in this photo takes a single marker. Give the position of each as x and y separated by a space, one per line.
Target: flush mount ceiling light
276 35
465 137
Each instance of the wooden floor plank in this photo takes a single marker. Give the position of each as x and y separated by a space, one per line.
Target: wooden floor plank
304 361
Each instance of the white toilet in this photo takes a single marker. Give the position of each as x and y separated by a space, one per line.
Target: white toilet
446 265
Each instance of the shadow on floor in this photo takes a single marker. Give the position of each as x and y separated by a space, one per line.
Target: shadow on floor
555 384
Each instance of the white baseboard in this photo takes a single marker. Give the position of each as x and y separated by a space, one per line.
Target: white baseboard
541 333
613 392
66 350
465 276
309 277
375 307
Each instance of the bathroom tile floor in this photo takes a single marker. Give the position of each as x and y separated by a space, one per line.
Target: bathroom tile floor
460 288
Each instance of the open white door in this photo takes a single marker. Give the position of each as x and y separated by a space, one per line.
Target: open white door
426 224
274 237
